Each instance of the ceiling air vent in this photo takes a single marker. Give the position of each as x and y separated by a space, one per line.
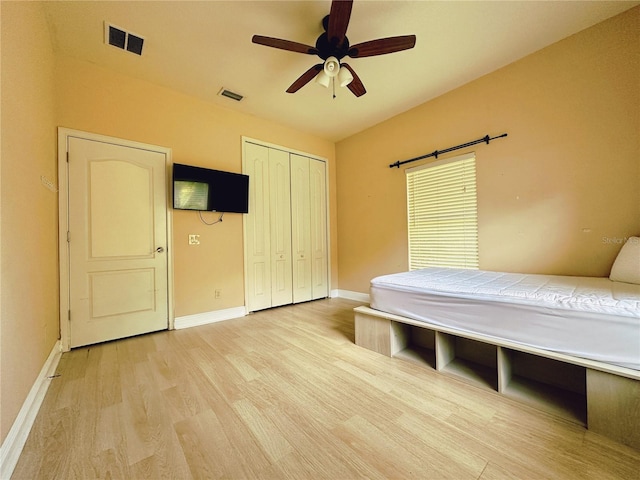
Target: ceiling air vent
118 37
229 94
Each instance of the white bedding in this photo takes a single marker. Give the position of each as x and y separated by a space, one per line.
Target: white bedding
587 317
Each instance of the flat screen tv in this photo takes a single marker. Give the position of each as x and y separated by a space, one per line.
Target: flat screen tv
196 188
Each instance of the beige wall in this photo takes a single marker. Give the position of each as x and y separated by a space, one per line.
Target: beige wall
199 133
29 251
556 196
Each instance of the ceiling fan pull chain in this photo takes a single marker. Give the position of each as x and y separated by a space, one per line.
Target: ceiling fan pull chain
333 83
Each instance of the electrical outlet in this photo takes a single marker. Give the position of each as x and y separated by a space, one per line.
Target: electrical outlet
194 239
218 293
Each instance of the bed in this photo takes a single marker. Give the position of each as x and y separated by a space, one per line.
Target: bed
568 345
591 318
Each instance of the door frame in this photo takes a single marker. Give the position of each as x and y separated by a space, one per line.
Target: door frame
246 140
63 221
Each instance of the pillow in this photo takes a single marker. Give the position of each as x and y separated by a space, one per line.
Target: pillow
626 268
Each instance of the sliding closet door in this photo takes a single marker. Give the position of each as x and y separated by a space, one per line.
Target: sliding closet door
318 216
280 223
300 228
257 229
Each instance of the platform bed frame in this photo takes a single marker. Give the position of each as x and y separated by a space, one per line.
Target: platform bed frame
601 397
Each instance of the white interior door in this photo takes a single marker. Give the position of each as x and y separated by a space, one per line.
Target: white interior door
118 285
280 226
300 228
286 230
257 231
319 250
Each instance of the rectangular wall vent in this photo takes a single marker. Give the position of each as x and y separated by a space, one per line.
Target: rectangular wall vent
122 39
229 94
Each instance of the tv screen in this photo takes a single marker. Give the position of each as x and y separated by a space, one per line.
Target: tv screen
196 188
189 195
229 192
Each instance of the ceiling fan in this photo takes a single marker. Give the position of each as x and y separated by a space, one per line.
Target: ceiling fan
332 46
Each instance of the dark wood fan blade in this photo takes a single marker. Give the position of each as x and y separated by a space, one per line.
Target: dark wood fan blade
305 78
338 21
284 45
382 46
356 86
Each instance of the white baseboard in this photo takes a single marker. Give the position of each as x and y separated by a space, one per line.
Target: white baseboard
17 436
209 317
205 318
349 295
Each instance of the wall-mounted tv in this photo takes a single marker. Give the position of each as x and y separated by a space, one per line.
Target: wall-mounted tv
196 188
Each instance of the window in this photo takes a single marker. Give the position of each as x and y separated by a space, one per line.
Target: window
443 214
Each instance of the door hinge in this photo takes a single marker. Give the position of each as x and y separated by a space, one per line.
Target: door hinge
67 157
68 236
69 314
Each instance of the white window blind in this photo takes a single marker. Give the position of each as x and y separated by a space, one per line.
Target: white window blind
443 214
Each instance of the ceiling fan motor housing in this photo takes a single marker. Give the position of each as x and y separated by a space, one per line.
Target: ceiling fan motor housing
326 49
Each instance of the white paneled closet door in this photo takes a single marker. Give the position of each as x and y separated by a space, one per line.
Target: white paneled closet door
257 228
280 223
301 229
318 218
286 246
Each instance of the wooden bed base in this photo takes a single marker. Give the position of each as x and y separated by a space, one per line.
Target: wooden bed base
601 397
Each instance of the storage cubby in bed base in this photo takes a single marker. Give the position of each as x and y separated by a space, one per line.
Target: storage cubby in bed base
550 385
414 344
472 361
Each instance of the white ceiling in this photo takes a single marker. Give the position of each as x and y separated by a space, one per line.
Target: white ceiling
199 47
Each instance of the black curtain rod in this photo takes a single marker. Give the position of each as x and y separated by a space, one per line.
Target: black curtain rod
485 139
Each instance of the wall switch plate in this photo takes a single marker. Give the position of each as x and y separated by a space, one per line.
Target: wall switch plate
194 239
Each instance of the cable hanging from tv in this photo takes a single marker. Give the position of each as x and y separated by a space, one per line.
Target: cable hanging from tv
210 223
486 139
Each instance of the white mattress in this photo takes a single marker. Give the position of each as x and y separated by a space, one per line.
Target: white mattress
586 317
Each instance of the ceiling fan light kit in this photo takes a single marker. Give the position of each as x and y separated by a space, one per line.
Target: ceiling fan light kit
332 70
344 77
332 46
323 79
331 66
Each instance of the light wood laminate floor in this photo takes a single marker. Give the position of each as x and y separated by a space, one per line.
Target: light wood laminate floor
286 394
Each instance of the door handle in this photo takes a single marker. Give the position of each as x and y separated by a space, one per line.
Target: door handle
159 249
